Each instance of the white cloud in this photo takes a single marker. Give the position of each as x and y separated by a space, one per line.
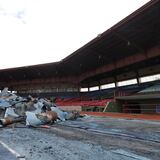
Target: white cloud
40 31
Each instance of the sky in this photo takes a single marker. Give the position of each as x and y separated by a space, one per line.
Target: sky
42 31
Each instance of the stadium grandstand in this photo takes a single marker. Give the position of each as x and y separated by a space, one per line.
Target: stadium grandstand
118 71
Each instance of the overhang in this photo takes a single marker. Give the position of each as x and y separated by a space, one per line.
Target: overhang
134 35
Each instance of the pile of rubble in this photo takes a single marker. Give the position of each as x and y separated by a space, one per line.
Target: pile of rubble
31 111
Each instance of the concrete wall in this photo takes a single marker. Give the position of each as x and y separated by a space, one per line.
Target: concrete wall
71 108
148 109
113 107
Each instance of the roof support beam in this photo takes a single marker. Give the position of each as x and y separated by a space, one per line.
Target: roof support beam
151 53
128 42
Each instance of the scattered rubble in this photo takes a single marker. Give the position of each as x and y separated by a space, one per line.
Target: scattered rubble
32 111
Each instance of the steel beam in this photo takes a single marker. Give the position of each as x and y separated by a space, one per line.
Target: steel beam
126 61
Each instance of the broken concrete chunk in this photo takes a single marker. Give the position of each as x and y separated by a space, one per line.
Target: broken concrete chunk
34 119
61 114
10 112
4 104
72 115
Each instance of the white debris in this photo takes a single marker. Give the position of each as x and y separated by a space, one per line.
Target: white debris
61 114
10 112
33 110
32 120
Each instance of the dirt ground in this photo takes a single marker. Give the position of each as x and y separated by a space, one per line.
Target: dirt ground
88 138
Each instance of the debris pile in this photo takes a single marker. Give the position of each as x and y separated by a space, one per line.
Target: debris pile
31 111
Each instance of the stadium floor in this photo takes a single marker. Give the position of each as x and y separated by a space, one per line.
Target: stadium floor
152 117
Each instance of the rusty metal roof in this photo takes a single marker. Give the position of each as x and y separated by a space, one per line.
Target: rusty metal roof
136 33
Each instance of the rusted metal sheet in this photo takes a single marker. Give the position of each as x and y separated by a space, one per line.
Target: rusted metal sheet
8 120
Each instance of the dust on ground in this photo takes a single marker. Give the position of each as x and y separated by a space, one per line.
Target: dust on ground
89 138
